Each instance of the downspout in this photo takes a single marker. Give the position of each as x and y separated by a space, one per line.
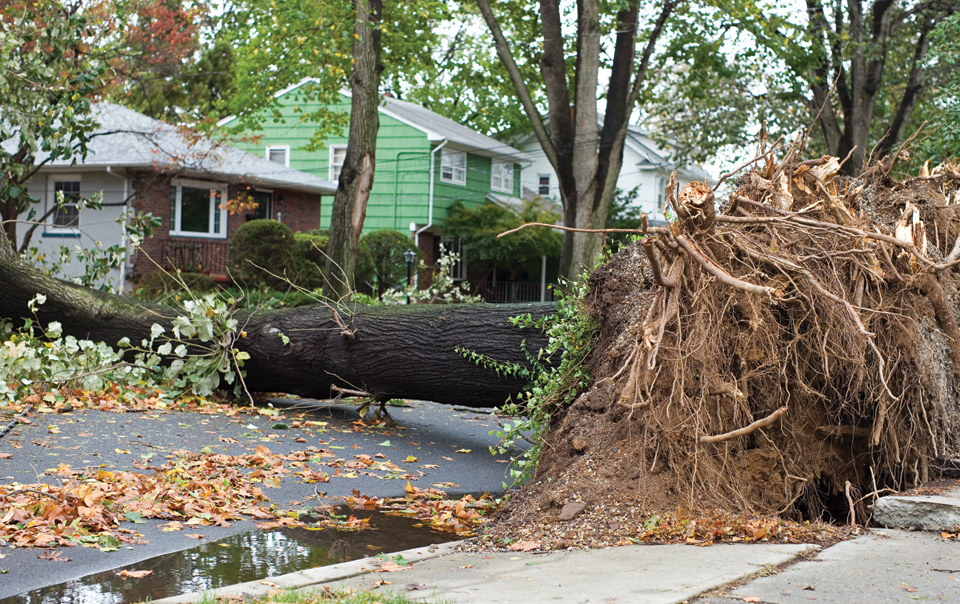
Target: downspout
416 234
123 236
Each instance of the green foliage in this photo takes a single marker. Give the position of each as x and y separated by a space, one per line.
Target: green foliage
556 376
309 258
261 253
45 83
278 44
442 289
945 46
381 259
195 355
161 286
624 214
479 227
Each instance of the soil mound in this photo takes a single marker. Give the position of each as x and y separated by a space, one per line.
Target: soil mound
796 353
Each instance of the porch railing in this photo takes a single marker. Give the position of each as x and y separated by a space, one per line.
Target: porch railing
503 292
209 257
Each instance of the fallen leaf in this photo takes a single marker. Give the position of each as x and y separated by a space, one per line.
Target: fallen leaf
751 599
195 536
5 456
121 452
463 450
53 430
466 566
449 458
909 588
415 586
393 567
410 459
268 583
231 441
171 526
527 546
53 556
135 574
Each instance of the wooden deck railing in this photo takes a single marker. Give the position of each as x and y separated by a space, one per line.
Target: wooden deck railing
195 256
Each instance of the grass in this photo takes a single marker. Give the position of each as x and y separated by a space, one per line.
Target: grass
322 595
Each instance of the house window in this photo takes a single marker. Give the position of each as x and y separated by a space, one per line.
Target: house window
279 154
66 215
661 184
264 208
453 167
458 272
338 153
197 209
501 177
543 185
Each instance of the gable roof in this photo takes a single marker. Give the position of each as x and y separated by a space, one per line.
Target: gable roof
128 139
436 127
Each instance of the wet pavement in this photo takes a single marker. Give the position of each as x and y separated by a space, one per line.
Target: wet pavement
432 445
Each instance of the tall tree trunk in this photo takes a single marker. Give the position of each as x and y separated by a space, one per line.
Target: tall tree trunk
390 352
586 161
356 176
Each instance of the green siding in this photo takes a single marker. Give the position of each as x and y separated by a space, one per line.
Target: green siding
401 186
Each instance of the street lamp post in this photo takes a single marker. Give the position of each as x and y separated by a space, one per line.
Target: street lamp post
409 256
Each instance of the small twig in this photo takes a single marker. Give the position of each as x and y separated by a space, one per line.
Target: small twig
656 230
350 391
760 423
852 516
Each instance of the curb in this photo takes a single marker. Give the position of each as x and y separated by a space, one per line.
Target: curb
312 576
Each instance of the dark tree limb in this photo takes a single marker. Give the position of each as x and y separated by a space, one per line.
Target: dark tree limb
395 352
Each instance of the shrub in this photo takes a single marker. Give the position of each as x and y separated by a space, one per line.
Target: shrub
381 260
309 258
160 286
259 248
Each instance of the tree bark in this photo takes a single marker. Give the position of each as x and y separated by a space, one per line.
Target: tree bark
587 163
356 176
390 352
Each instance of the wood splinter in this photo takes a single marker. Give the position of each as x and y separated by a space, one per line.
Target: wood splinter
760 423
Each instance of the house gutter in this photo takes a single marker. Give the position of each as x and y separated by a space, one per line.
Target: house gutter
123 237
416 234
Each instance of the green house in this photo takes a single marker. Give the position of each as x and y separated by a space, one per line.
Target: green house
425 163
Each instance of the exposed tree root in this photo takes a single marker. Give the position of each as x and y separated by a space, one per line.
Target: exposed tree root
826 306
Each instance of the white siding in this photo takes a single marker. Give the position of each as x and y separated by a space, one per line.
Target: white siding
95 225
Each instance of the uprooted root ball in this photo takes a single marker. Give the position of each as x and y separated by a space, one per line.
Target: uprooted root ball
795 353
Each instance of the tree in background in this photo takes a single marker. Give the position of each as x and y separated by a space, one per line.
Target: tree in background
859 69
944 111
478 230
381 259
586 156
46 78
336 44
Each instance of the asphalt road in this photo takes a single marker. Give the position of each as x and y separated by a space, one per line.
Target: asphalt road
456 441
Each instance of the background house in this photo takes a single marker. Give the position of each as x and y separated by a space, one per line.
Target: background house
645 165
425 163
184 179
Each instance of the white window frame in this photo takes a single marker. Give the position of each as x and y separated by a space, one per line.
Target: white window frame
218 198
446 161
52 180
540 185
286 155
458 272
498 180
661 188
333 164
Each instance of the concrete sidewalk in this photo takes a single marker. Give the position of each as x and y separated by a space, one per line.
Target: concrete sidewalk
650 574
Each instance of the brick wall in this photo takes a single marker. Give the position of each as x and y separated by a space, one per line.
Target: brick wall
299 211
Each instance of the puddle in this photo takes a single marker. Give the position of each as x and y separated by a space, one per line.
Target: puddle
245 557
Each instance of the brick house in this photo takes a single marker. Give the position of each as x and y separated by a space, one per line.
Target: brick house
186 180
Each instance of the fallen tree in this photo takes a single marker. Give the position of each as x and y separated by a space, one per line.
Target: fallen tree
389 352
795 352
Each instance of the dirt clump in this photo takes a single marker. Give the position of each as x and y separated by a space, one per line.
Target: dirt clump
762 368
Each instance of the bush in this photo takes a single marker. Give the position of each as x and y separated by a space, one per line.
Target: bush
260 246
160 286
381 260
309 258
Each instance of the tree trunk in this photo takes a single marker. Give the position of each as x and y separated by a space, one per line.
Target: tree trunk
391 352
356 176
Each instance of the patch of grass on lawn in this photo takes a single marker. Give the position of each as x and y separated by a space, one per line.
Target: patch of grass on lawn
322 595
